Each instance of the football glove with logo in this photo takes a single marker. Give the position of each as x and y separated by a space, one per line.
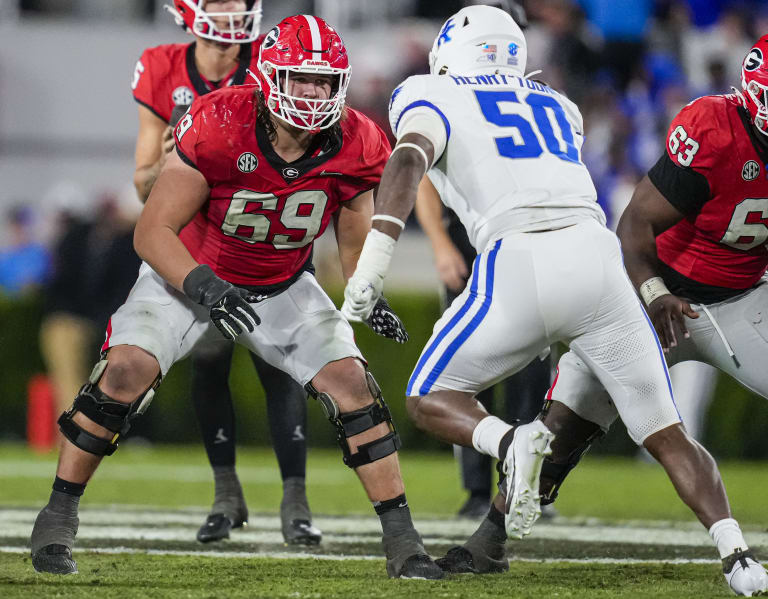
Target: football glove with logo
383 321
229 306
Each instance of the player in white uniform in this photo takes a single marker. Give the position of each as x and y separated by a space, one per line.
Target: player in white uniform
508 150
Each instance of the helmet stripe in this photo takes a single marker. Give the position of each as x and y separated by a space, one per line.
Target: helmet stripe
314 29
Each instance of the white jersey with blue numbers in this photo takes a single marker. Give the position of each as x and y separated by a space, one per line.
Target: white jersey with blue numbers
512 161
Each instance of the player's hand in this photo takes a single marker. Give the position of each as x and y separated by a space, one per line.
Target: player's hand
667 314
168 143
229 306
360 296
451 267
383 321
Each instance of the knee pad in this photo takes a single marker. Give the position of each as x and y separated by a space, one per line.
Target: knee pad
552 474
353 423
99 407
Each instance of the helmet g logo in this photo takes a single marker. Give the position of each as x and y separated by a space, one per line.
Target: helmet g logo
754 60
271 38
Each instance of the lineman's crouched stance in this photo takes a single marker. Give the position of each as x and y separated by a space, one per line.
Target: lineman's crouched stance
158 325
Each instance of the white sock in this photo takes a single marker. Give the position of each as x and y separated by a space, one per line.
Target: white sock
727 536
487 435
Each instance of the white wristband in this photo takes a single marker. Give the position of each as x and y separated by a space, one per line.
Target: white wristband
653 289
389 218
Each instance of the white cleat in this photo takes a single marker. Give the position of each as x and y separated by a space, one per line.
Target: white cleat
522 467
745 575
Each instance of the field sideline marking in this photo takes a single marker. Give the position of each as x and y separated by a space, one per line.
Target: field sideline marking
337 557
98 524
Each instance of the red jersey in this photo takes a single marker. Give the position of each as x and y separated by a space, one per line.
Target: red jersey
714 172
167 76
263 213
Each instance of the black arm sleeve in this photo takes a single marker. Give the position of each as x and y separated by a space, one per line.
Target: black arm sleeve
684 188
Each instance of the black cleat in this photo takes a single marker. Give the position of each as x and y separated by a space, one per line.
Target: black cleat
460 560
54 559
301 532
420 566
217 527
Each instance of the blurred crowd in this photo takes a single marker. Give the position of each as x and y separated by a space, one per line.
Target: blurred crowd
630 65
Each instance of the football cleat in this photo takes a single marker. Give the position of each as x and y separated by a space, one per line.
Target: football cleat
406 557
744 574
419 566
460 560
54 559
217 527
301 532
522 466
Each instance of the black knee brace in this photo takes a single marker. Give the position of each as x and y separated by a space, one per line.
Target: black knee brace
353 423
555 473
99 407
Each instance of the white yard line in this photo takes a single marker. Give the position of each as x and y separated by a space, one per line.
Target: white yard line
180 526
341 557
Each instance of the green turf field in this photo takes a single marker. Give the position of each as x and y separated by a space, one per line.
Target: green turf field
621 532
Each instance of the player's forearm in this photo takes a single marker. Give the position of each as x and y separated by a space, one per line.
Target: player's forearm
638 245
144 178
397 200
348 259
160 247
429 214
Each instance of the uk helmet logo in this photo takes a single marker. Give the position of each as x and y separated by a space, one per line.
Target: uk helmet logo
750 171
247 162
182 95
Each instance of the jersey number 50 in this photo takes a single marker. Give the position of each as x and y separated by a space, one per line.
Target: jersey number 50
526 143
301 201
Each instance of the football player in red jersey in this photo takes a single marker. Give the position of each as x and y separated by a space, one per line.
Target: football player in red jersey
166 80
262 171
694 242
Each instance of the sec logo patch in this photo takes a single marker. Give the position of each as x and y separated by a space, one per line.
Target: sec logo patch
750 171
247 162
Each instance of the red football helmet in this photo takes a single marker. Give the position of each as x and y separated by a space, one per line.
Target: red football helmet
754 82
303 44
230 27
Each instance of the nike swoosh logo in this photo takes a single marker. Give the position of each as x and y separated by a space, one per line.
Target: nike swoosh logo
330 174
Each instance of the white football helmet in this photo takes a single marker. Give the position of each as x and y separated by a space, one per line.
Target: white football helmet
479 39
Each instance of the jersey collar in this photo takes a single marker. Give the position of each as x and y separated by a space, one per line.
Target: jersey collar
236 77
322 149
760 147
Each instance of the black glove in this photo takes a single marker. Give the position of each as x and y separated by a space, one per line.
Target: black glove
230 310
383 321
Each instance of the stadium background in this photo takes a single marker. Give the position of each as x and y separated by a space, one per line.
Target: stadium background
68 125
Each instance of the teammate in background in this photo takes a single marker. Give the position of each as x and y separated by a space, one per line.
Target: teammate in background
694 240
166 81
508 148
262 171
523 392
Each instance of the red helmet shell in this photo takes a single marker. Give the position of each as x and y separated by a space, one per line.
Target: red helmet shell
754 83
234 27
308 45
